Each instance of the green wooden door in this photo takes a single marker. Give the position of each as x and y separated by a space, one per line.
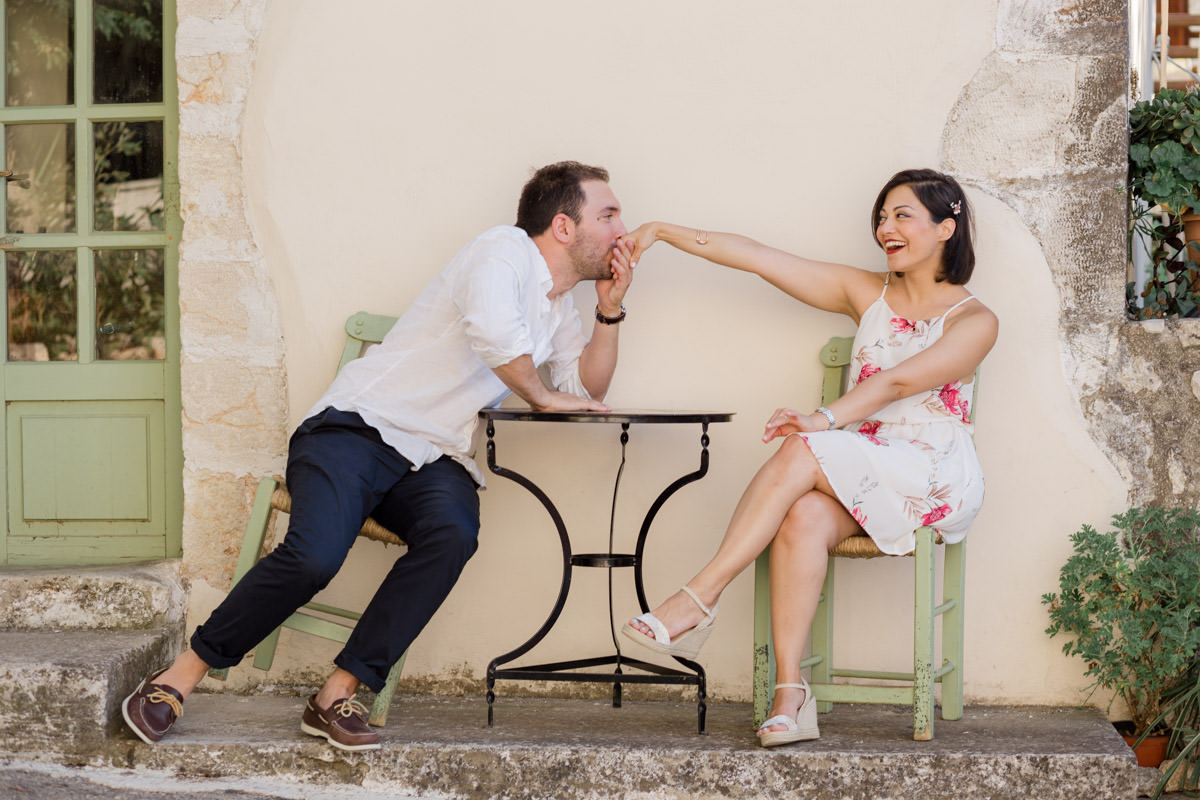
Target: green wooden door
92 460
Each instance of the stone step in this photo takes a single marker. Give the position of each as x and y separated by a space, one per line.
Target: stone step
147 595
61 691
576 749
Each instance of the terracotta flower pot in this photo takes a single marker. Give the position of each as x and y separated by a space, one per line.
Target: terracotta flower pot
1191 227
1153 749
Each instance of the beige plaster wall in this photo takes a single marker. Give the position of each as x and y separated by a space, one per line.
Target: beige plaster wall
377 138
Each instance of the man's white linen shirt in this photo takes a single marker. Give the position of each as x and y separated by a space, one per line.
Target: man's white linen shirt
423 386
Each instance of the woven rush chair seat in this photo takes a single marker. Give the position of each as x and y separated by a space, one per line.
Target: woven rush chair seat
917 687
862 546
281 500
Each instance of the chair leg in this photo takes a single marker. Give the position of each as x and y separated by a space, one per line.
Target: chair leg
762 637
822 637
383 700
923 636
252 542
953 588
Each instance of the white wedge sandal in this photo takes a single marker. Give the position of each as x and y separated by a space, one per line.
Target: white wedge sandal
801 728
686 644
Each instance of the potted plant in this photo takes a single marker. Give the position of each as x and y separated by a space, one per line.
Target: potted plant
1164 183
1129 598
1181 716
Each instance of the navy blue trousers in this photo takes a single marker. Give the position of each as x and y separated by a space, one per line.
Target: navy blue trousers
340 472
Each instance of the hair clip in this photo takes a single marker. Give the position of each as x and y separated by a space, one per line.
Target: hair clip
956 207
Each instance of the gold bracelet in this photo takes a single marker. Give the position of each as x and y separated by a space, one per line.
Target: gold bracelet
701 236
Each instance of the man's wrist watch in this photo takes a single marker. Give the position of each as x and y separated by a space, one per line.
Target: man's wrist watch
603 320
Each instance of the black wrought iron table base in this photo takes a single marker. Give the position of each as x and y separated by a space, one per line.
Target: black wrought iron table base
693 674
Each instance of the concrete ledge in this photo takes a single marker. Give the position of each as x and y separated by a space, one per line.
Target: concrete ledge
148 595
60 692
585 749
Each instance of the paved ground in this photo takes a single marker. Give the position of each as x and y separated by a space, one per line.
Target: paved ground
434 745
27 780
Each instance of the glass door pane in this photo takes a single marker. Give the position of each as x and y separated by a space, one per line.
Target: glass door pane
129 176
128 51
129 305
41 305
39 52
41 195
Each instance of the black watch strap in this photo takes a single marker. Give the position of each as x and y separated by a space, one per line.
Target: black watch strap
603 320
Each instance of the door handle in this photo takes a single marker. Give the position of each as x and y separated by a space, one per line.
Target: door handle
23 180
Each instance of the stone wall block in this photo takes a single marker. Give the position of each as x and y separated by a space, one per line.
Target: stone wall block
1099 120
210 166
221 121
216 508
1187 331
214 247
1061 27
197 36
216 79
227 394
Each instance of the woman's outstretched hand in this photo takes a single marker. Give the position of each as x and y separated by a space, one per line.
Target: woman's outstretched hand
786 421
639 240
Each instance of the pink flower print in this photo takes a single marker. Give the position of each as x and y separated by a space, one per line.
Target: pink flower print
954 403
901 325
860 516
938 513
867 371
869 429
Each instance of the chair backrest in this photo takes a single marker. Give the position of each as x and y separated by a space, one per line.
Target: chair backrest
835 356
363 329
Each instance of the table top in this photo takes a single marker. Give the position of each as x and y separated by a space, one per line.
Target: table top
617 415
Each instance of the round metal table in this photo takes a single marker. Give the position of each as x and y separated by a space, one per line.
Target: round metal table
570 670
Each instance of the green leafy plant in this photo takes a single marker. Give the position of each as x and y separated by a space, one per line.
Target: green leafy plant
1164 183
1164 149
1181 715
1172 286
1129 598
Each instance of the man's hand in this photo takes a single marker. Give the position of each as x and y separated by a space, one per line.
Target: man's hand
610 292
565 401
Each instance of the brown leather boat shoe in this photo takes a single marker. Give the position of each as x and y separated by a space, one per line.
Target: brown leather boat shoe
152 709
343 724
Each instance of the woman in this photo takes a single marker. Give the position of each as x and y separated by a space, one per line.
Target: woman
890 455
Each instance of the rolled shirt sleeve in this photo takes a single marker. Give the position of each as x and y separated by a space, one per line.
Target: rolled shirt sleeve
489 298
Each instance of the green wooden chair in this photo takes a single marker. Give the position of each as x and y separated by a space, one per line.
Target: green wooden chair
362 329
918 692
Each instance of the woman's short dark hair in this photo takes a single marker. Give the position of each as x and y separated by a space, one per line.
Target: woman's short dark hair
555 189
941 195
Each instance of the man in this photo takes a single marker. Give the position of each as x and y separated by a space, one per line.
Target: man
391 438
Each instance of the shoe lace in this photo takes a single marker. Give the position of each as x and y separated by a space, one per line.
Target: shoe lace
161 696
349 707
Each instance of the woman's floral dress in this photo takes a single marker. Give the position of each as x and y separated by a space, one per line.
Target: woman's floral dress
913 462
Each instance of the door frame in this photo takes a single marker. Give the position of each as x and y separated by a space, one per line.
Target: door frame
84 241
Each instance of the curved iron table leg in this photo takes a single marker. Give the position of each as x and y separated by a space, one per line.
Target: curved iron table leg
701 687
566 574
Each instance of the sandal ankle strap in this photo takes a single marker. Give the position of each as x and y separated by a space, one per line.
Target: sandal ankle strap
696 600
791 686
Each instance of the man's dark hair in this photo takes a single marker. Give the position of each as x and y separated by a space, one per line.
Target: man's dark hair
941 195
555 189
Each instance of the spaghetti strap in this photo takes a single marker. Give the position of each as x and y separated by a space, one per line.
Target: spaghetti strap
946 313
